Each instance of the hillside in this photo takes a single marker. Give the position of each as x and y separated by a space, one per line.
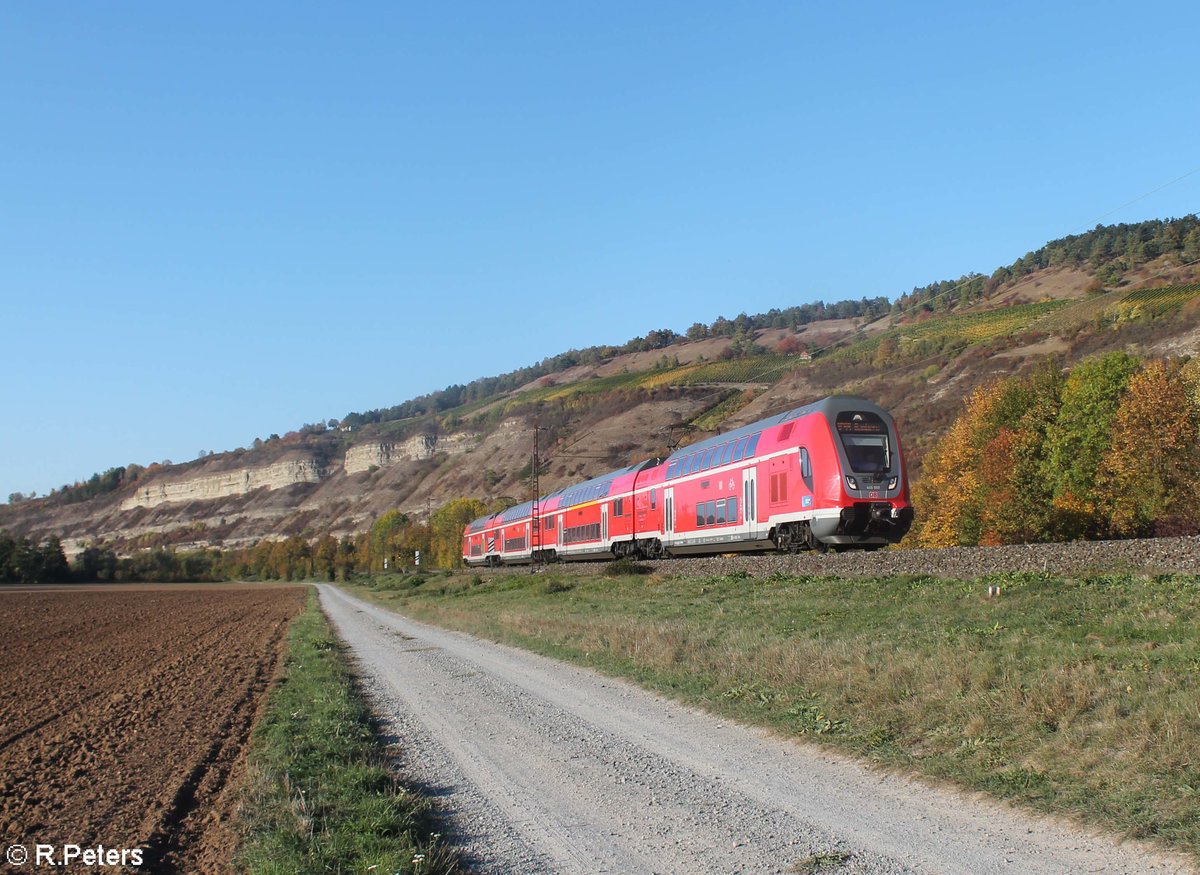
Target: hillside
1134 287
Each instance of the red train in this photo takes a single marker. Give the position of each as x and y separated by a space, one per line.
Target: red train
829 474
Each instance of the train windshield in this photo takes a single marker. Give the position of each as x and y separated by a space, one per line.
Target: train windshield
865 438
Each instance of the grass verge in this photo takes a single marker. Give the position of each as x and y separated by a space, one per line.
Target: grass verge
320 796
1072 695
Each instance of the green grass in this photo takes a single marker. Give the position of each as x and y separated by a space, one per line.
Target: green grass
1072 695
321 798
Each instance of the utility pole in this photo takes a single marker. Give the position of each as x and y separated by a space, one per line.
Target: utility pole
535 522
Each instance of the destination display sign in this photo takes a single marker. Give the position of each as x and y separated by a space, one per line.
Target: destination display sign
858 423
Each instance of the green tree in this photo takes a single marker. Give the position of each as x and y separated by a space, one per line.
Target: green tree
1022 511
389 541
95 562
1080 437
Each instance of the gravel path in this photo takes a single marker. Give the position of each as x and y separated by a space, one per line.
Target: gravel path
543 767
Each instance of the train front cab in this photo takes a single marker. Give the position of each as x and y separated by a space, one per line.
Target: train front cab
870 484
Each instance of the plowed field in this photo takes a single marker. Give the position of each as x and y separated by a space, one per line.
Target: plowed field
124 715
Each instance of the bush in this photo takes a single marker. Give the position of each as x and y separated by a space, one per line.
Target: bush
625 567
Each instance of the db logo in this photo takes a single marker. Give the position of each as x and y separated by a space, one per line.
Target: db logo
872 495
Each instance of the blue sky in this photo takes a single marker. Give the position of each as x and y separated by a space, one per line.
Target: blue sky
219 221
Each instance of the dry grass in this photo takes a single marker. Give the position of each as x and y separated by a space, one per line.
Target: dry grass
1079 696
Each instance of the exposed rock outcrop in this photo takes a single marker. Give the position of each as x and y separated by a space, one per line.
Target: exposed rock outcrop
383 454
221 484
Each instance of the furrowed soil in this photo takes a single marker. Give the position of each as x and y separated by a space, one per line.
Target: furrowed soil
124 715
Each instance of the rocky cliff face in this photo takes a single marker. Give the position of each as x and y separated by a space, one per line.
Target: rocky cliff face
222 484
384 454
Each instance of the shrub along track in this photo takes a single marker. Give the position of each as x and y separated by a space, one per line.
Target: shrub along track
125 712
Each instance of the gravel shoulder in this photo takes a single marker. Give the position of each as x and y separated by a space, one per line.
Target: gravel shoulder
541 767
1137 555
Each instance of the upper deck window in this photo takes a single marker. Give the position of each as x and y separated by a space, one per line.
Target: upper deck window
866 441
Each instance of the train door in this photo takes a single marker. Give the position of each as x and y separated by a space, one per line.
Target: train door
560 534
604 522
669 510
750 500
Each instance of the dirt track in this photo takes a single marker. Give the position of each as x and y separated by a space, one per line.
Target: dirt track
544 767
123 714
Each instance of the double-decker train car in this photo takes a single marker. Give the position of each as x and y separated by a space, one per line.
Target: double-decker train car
829 474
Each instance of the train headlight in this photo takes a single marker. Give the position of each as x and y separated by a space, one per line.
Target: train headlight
892 483
851 482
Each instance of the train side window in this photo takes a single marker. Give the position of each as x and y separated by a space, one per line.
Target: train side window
672 469
751 446
694 463
731 510
712 513
727 454
739 449
653 494
720 512
710 458
700 514
805 463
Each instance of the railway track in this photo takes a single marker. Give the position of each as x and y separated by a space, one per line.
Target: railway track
1140 556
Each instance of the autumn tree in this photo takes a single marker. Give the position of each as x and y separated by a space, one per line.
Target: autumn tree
885 353
393 540
789 345
1147 483
325 557
1019 508
947 495
983 482
446 530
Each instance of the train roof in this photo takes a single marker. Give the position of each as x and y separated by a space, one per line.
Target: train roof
568 496
832 405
